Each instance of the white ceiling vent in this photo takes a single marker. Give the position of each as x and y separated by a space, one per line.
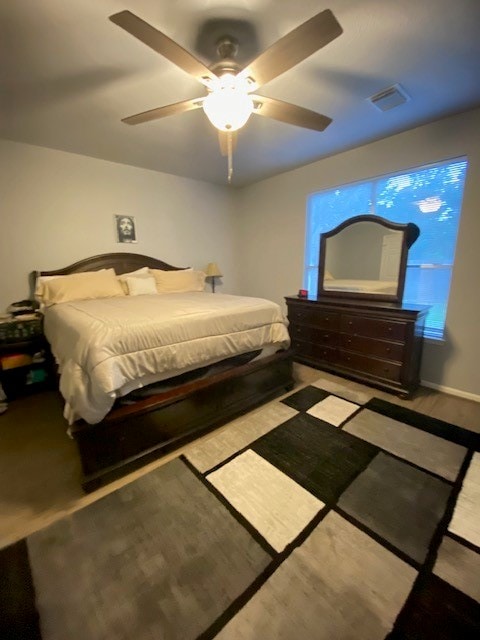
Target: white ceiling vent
389 98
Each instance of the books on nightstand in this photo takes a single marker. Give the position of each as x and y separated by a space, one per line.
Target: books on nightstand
19 317
22 371
15 360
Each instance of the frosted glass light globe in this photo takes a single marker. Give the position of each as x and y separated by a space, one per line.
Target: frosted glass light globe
228 106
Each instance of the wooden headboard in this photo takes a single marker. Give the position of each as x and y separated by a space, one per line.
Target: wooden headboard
121 262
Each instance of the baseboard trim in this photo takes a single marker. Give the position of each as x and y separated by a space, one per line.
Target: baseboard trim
451 391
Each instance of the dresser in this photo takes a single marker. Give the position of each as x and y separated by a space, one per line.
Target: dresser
377 343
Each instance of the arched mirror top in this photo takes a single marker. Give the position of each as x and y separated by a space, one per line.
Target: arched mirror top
365 257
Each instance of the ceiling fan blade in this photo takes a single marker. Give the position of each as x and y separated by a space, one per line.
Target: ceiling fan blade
163 112
293 48
290 113
223 138
164 45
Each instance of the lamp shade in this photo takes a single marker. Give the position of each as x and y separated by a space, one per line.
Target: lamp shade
213 270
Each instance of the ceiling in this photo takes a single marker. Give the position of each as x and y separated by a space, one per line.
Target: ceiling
69 75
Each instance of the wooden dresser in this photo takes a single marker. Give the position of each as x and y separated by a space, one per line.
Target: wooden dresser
377 343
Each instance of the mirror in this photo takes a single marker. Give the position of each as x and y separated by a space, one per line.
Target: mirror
365 257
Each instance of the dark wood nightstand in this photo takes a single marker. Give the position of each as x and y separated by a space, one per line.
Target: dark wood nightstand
24 338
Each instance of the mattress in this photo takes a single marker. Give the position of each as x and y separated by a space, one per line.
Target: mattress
107 347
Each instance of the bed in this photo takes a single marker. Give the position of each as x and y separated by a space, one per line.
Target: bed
143 374
361 286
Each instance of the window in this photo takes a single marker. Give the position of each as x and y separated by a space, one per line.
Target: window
431 197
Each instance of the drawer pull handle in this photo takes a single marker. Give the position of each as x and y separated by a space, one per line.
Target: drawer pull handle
350 322
389 328
388 349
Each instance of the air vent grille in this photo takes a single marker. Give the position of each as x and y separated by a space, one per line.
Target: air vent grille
389 98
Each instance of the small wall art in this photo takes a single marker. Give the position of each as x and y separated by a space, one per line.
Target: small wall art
125 229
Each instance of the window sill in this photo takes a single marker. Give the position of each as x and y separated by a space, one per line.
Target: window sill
436 341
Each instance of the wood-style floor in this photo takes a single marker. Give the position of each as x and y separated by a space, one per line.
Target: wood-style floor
40 469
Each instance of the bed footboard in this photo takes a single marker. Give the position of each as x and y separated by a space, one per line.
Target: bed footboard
135 435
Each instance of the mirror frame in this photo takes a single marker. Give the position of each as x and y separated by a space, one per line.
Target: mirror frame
410 233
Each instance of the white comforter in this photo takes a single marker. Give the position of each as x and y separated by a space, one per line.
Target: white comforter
109 346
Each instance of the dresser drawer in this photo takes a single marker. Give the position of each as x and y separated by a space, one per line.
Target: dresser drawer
372 347
373 366
314 351
373 327
314 317
310 333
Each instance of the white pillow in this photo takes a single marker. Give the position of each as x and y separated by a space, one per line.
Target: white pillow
179 281
144 272
141 285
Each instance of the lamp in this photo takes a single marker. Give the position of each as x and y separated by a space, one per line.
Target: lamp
228 106
213 272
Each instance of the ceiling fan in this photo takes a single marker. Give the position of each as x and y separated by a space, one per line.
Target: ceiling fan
229 101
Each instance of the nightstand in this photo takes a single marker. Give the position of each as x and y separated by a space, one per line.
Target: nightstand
25 359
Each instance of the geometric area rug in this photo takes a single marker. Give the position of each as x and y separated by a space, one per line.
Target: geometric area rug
321 516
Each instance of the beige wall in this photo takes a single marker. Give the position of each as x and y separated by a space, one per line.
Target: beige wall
271 230
59 207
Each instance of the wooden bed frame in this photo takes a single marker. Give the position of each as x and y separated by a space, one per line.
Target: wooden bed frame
132 435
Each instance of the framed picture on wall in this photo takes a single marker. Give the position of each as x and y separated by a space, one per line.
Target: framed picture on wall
125 229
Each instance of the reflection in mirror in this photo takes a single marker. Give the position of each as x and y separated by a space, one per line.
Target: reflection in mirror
365 257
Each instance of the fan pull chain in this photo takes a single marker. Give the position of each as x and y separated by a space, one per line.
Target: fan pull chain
230 157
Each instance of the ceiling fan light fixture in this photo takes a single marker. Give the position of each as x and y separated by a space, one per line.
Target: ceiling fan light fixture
228 106
228 103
